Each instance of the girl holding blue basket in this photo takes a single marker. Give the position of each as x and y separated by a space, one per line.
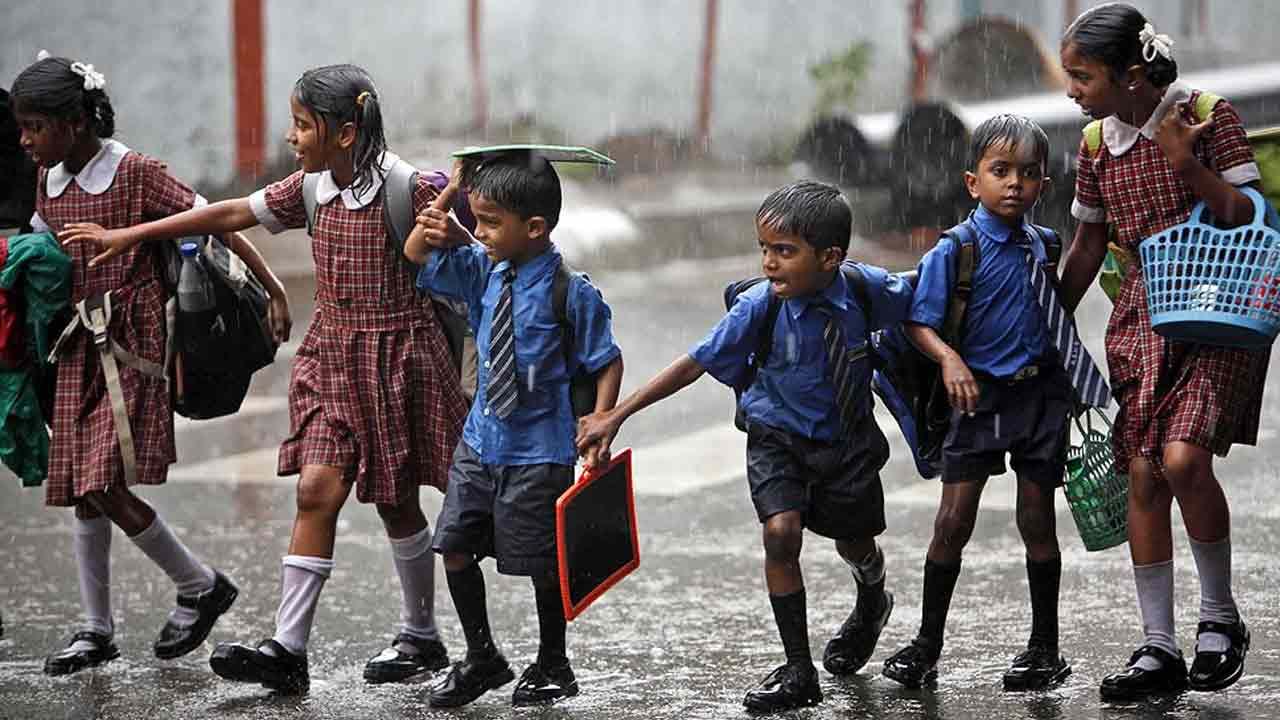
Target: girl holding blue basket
1157 147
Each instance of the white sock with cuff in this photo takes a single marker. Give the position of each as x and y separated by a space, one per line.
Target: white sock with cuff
190 576
416 566
1213 565
302 577
1155 602
91 543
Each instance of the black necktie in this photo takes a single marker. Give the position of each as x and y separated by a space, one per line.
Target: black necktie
839 365
501 392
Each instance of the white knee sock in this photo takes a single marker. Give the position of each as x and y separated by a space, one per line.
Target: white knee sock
1213 564
1155 601
416 566
91 541
189 575
301 580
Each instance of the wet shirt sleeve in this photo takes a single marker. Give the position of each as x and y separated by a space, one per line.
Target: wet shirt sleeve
429 186
165 194
724 352
933 286
1087 206
461 272
592 321
890 297
279 206
1229 148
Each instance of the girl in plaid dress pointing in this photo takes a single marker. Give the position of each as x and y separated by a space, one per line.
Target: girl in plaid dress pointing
67 122
374 401
1180 403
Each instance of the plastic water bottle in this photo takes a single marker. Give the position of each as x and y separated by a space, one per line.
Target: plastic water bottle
195 291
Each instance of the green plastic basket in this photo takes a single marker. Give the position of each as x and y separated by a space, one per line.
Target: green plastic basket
1097 494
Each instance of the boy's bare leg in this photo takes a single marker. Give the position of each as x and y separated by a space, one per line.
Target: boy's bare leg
856 639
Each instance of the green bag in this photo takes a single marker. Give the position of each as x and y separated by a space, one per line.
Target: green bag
1097 494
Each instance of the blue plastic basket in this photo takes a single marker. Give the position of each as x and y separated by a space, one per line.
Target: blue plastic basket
1214 286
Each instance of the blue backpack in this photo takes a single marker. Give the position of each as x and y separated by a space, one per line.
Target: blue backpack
908 382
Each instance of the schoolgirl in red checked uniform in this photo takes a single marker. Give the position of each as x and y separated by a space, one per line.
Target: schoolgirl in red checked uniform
67 122
1180 403
373 400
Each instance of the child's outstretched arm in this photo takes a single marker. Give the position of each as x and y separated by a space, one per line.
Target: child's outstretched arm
278 306
220 218
597 430
962 389
435 228
608 383
1081 263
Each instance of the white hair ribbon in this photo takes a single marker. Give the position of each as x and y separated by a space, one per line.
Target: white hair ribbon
93 80
43 55
1154 43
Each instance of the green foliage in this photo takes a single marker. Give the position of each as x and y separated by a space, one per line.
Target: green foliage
839 77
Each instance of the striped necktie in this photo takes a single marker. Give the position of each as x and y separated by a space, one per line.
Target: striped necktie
501 392
1091 388
839 368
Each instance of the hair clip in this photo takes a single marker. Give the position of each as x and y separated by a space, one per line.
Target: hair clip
42 55
365 95
1154 43
93 80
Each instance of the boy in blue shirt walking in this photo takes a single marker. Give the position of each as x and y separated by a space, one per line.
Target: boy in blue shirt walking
814 450
517 452
1010 379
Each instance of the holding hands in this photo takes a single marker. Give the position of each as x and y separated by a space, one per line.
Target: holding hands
595 434
440 229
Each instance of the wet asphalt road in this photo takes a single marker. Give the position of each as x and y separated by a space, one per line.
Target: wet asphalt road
683 637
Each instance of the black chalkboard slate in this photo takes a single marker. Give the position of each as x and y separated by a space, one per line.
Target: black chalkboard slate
596 538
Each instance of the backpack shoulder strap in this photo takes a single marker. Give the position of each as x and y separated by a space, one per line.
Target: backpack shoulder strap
858 282
1093 137
397 201
560 306
1205 102
966 265
310 182
1052 247
764 344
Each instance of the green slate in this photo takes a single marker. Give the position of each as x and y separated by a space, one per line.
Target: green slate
553 153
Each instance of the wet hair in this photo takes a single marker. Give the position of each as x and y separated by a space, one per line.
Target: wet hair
814 211
341 94
1109 33
1013 130
50 87
521 182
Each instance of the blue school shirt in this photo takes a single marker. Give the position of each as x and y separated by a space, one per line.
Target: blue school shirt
1004 328
542 428
792 391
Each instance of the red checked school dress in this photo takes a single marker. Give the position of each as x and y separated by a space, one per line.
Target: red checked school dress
84 455
1169 391
373 389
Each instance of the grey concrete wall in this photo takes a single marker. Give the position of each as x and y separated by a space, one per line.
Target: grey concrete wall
588 68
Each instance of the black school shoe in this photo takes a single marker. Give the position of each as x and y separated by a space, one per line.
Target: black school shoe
913 666
391 665
853 644
269 665
470 678
1036 668
1212 671
67 661
786 688
175 641
1134 683
544 684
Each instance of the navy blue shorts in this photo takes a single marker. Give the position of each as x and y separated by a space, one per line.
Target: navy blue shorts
507 512
1027 419
836 489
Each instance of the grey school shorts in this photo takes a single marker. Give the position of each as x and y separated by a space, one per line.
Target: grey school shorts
1027 419
507 512
836 488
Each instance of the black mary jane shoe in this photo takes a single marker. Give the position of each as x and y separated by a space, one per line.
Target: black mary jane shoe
470 678
1036 668
545 683
852 645
67 661
175 641
391 665
1212 671
1134 683
788 687
269 664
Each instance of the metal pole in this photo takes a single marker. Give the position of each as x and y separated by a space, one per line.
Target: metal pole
479 89
248 29
702 123
919 53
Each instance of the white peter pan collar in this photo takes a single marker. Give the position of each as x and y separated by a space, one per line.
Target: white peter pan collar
327 189
1119 135
95 177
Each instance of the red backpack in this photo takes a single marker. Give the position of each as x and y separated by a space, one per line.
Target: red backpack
13 341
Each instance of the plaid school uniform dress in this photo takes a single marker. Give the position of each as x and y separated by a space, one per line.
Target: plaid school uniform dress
373 389
1169 391
84 454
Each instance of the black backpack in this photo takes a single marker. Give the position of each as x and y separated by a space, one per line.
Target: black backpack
218 352
399 218
908 382
764 343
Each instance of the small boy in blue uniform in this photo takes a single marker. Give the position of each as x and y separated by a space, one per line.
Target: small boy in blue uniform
814 450
1009 394
517 452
